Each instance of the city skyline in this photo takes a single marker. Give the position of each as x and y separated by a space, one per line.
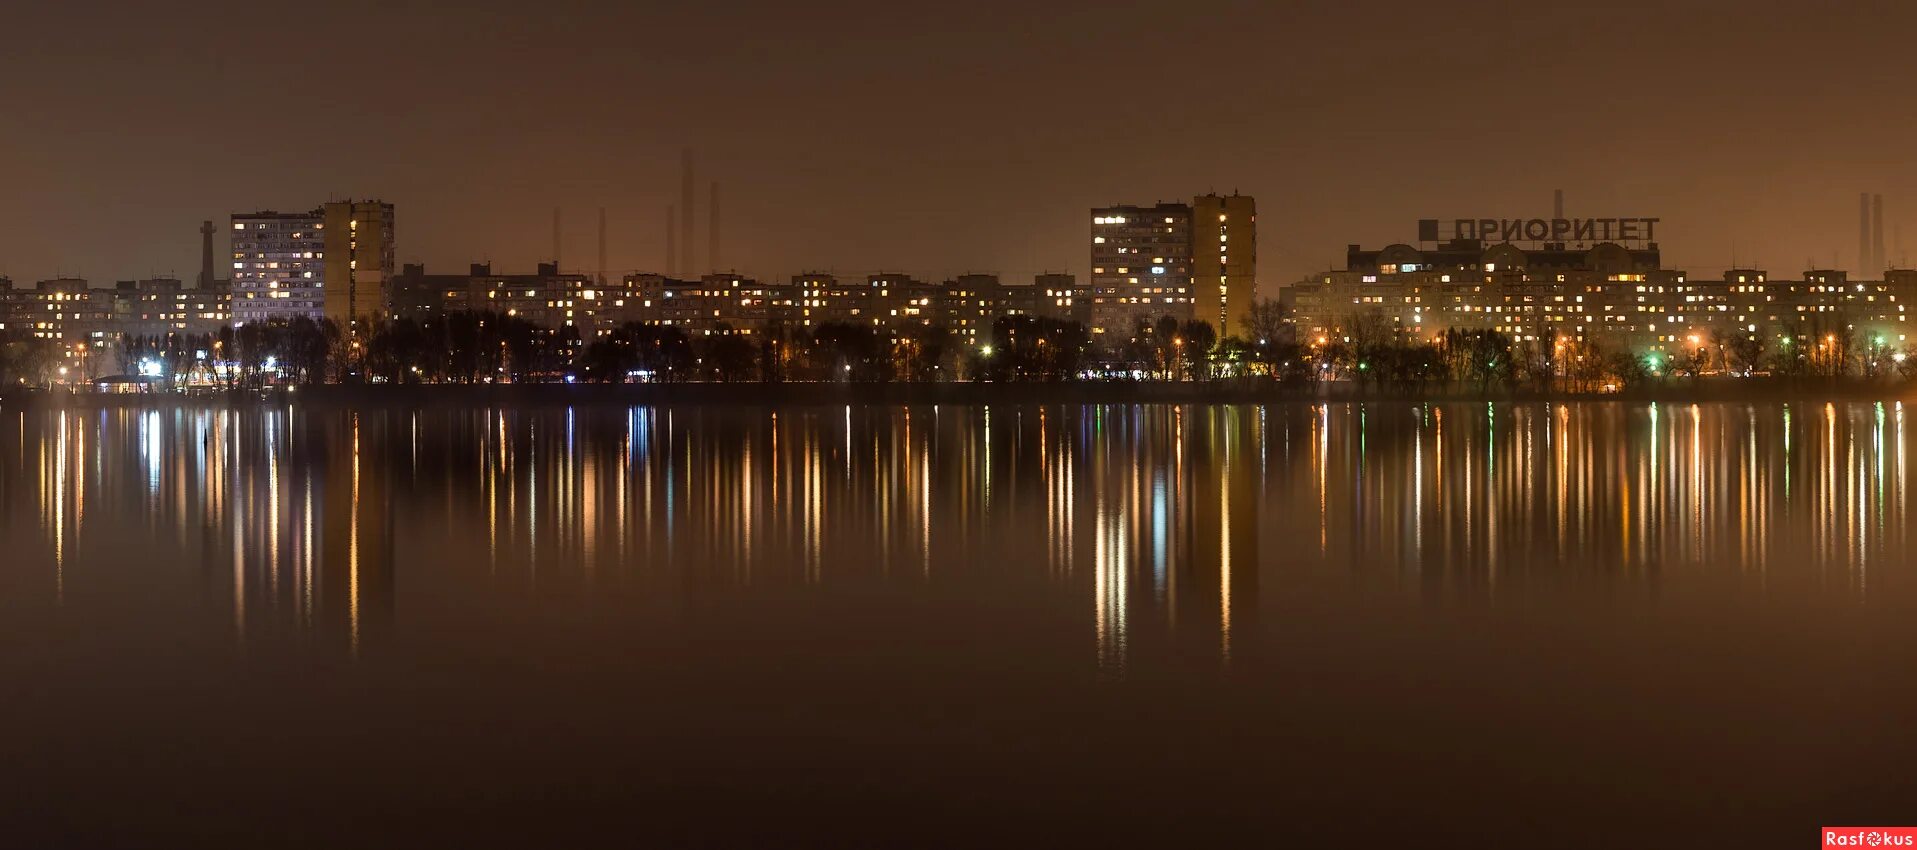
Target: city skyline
1886 253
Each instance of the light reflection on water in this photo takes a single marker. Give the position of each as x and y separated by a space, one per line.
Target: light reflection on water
1155 517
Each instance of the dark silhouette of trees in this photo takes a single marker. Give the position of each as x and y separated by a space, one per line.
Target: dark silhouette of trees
849 352
726 355
1035 348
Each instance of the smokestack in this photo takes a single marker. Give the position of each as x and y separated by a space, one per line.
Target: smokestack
1863 231
672 243
1876 234
555 239
602 247
1557 204
685 213
712 230
206 255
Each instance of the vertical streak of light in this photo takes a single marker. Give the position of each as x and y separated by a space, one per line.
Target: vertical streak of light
986 481
1491 493
238 519
272 510
352 547
1563 472
1111 562
1224 555
1417 491
925 507
1697 486
1831 491
306 589
59 512
745 511
532 498
1324 457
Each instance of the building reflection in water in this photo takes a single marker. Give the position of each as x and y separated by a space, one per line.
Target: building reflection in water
1163 531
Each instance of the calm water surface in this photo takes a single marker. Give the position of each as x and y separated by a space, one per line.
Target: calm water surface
1578 624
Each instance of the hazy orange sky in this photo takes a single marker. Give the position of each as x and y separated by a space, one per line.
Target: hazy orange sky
943 138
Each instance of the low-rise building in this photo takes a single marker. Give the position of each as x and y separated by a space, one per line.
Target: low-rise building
1615 294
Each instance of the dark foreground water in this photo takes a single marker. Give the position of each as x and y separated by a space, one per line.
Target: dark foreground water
1569 625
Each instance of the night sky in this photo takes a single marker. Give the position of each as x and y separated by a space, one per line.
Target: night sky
942 138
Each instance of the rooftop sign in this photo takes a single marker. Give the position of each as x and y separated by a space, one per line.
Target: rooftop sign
1542 229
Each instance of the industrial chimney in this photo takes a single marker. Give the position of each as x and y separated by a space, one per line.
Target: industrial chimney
555 239
712 230
601 281
206 255
1863 232
686 213
672 242
1877 234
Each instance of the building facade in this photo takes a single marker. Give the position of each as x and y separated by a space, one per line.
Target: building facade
545 297
1141 269
1616 295
161 307
358 269
279 263
332 262
1224 260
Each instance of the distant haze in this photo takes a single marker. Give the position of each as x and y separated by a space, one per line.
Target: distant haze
943 138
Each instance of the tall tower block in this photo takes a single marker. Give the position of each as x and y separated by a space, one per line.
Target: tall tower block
1224 260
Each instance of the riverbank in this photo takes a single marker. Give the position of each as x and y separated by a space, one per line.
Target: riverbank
972 393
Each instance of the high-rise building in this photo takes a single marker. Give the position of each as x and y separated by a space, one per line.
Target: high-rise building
359 263
1224 259
1141 269
278 266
